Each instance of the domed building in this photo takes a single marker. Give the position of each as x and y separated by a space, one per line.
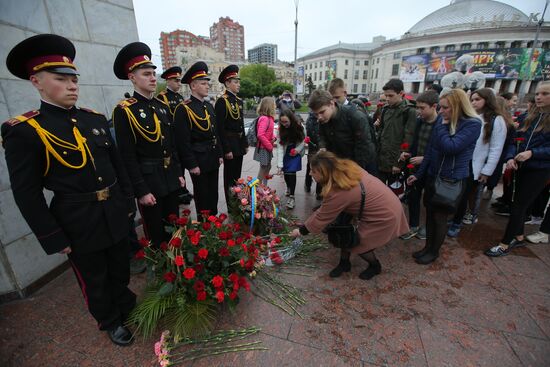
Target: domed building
498 36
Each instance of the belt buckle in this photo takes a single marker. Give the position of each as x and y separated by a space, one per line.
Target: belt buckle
166 162
102 195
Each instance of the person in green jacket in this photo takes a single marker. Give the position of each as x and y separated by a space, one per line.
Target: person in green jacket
395 126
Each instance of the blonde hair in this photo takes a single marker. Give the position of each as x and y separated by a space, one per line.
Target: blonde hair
460 107
266 107
334 172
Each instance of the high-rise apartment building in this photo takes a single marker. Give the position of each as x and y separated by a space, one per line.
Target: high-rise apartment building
266 53
227 36
169 41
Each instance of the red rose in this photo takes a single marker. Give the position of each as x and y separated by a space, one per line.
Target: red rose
244 247
224 251
182 221
217 281
203 253
241 261
201 296
189 273
277 239
234 278
175 242
519 140
169 277
198 286
186 212
236 227
230 243
239 240
293 152
233 295
517 113
218 224
190 232
205 212
276 258
404 146
223 236
268 177
172 218
140 254
144 242
220 296
212 218
307 140
195 238
368 104
163 246
380 104
249 266
206 226
222 217
198 268
243 283
178 260
410 166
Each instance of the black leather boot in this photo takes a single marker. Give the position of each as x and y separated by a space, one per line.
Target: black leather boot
374 268
343 266
121 335
420 253
430 256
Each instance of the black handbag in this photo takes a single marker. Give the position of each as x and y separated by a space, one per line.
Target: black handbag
447 192
342 233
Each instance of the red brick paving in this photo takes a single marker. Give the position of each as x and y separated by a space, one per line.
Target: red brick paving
463 310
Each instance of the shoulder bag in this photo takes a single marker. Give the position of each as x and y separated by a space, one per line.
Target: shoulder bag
447 192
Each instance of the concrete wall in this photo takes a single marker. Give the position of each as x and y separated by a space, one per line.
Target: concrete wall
98 28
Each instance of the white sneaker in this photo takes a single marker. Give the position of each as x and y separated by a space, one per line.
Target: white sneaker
537 237
535 220
290 202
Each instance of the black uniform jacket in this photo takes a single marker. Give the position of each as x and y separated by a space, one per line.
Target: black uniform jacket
153 166
73 217
229 115
197 141
172 99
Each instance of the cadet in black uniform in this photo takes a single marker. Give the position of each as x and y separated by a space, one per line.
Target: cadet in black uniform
197 139
172 98
229 115
69 151
144 134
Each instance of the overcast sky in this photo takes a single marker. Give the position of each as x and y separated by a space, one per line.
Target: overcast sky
320 22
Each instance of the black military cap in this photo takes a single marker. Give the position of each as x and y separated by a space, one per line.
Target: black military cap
230 72
197 71
42 52
135 55
173 72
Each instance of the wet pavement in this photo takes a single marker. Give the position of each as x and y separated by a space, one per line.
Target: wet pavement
463 310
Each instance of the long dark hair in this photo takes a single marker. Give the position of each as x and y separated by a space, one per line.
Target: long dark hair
490 111
536 112
294 133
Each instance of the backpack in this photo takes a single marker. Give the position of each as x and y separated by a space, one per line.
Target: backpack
252 134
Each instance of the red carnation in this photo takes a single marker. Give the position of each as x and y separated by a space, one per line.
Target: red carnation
178 260
268 177
233 295
198 268
241 261
169 277
175 242
212 218
368 104
220 296
236 227
307 140
199 286
231 243
380 104
189 273
201 296
172 218
519 140
140 254
186 212
234 278
404 146
517 113
217 281
243 283
293 152
190 232
410 166
224 251
182 221
163 246
218 224
144 242
203 253
195 238
277 239
222 217
205 212
206 226
276 258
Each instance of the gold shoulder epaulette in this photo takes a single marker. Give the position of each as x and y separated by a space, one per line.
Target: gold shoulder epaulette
161 101
90 110
22 118
162 93
127 102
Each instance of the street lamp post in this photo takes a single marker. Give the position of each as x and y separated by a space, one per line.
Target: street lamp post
523 89
296 48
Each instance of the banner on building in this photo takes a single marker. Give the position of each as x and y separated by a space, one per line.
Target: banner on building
413 68
331 69
300 81
439 64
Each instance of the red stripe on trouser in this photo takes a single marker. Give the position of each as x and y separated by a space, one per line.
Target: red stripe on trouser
145 232
81 282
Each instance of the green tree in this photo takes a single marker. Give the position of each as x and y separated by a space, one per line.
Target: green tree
160 87
260 74
277 88
249 88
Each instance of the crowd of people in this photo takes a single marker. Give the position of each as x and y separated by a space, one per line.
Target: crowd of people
446 148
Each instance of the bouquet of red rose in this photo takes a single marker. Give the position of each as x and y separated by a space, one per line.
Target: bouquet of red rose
203 265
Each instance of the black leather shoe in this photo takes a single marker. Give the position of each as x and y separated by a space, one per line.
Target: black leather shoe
343 266
121 335
373 269
427 258
419 254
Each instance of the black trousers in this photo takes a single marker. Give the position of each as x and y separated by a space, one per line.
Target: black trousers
232 169
413 201
103 277
205 190
155 217
529 184
132 235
